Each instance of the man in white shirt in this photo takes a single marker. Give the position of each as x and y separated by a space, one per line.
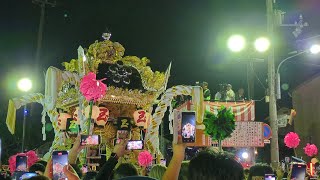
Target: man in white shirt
230 95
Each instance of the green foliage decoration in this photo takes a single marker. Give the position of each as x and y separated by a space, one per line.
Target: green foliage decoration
220 126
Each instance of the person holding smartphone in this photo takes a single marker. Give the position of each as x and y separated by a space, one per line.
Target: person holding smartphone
118 151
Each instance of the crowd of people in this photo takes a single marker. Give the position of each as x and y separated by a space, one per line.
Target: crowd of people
225 93
207 164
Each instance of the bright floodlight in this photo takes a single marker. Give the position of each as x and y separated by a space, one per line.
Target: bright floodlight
262 44
315 49
236 43
245 155
24 84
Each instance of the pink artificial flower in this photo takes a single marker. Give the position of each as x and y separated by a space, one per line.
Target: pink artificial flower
292 140
145 158
310 150
91 88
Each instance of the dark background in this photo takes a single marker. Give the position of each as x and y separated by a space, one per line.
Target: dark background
190 34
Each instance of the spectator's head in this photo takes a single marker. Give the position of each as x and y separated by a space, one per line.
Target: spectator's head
205 85
241 91
229 86
259 170
183 174
37 168
125 170
157 171
214 166
43 162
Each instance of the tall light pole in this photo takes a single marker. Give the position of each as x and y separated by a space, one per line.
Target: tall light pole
271 83
42 4
24 85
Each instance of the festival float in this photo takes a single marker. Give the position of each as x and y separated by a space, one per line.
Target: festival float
125 103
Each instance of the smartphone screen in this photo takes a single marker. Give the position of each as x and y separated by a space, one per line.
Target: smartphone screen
188 127
298 171
28 175
90 140
21 163
135 145
59 160
269 177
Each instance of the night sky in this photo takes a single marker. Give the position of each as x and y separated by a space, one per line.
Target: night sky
190 33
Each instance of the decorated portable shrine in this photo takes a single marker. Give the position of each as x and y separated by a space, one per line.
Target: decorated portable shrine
98 93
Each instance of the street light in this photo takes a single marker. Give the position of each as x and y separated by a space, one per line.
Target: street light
262 44
236 43
24 85
314 49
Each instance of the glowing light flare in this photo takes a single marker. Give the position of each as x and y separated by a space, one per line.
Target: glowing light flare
315 49
236 43
24 84
245 155
262 44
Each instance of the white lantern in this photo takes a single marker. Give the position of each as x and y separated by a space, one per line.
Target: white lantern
95 112
76 115
141 118
62 120
103 116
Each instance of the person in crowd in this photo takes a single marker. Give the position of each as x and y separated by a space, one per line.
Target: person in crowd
67 170
125 170
37 168
172 172
206 92
43 162
157 171
218 96
230 95
221 94
259 170
240 95
183 174
214 166
106 170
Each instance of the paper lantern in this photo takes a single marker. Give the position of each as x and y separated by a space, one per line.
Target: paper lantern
95 112
62 120
141 118
103 116
76 115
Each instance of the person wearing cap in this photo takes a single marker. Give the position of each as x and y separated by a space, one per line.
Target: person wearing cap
206 92
230 95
